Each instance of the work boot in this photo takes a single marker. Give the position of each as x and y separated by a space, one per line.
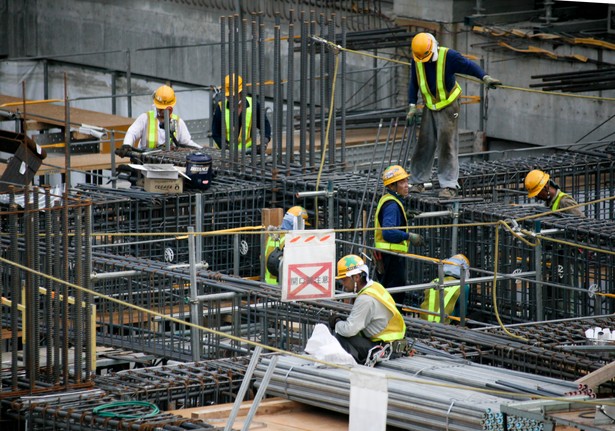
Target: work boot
417 188
447 193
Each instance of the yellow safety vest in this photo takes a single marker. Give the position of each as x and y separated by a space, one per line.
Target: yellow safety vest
247 111
379 239
272 243
396 328
432 301
442 99
555 204
152 128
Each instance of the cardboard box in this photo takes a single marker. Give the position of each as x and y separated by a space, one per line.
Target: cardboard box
161 185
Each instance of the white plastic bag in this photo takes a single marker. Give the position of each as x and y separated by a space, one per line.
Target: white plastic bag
325 347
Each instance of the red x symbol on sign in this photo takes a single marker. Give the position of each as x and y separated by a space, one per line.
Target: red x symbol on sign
310 280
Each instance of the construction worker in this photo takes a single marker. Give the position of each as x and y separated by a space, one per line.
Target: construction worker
374 318
294 219
148 129
390 213
452 271
539 185
232 88
433 72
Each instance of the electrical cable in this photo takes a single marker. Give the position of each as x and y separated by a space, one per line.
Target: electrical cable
102 410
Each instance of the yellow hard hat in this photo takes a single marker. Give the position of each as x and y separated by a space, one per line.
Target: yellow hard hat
229 84
458 261
393 173
422 47
164 97
351 264
299 211
535 181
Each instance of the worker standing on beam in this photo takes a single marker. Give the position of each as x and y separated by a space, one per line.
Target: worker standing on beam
374 319
433 72
234 88
539 185
391 234
148 129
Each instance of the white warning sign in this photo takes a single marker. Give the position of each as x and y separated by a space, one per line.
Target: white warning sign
308 267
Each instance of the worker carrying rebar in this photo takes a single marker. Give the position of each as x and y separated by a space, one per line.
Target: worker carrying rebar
433 73
148 130
539 185
391 233
374 319
233 89
452 272
296 218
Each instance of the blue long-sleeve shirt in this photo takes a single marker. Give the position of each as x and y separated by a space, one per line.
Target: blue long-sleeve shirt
455 63
392 216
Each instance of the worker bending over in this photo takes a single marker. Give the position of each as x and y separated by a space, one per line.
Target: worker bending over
539 185
374 319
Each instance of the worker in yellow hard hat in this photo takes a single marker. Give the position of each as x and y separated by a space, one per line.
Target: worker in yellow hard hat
539 185
433 73
391 214
452 269
374 319
148 132
245 115
296 218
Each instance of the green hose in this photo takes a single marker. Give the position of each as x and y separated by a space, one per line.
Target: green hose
101 410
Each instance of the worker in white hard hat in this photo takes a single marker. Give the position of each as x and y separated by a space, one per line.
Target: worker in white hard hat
539 185
374 319
453 268
433 73
296 218
251 113
148 132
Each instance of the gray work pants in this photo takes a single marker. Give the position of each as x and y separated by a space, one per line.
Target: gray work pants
438 131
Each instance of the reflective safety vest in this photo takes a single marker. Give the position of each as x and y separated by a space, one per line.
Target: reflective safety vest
441 99
396 328
379 239
432 301
153 128
247 114
272 243
555 204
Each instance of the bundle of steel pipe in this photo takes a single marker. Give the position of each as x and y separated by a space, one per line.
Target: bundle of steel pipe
416 403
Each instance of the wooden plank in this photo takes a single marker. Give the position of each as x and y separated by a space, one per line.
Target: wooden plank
597 377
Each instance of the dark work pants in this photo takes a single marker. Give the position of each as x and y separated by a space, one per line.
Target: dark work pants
358 346
394 275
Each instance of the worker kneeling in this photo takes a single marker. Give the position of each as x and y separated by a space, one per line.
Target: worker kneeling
374 321
452 272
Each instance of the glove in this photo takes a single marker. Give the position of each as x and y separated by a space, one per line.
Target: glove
123 151
416 240
491 82
412 213
333 319
411 112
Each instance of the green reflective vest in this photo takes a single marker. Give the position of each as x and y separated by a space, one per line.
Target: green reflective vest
379 241
396 328
555 204
441 99
247 111
272 242
432 301
152 128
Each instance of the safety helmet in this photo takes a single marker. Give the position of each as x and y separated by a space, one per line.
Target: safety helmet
423 47
535 181
454 269
351 264
229 84
164 97
394 173
299 211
